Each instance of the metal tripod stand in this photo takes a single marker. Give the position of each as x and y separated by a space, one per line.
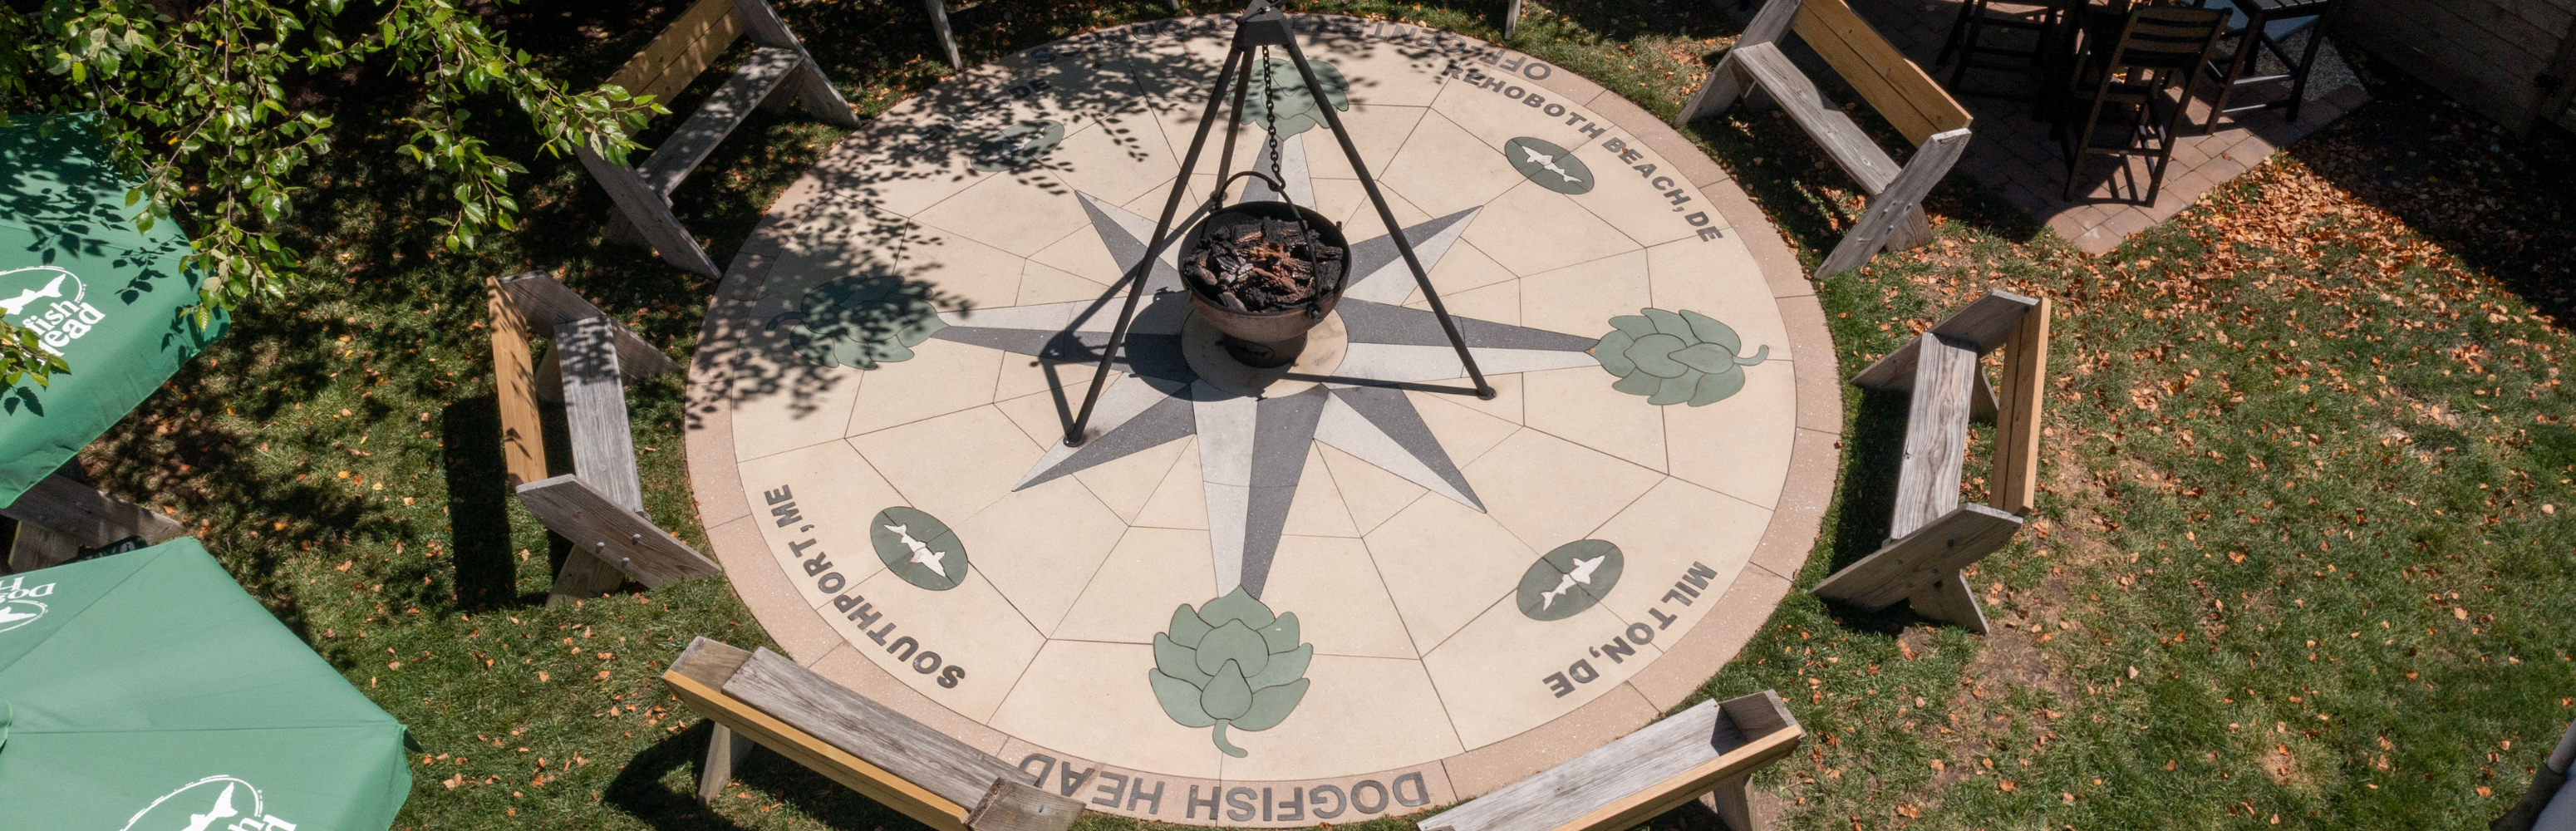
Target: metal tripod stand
1261 24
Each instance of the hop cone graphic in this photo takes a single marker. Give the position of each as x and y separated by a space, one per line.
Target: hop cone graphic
1673 358
1298 111
1230 662
862 320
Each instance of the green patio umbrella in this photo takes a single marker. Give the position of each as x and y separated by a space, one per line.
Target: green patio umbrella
104 296
146 691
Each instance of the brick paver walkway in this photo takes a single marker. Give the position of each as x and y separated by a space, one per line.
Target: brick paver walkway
2013 154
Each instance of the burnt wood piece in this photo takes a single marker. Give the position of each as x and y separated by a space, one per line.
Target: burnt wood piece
1711 746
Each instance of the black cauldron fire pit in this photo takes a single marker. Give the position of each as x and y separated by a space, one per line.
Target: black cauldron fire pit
1264 273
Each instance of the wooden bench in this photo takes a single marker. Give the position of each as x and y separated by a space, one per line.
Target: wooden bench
59 516
668 65
884 755
1894 86
1932 535
599 506
1708 749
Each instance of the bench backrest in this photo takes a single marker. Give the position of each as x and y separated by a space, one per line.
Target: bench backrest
1893 85
1640 776
671 61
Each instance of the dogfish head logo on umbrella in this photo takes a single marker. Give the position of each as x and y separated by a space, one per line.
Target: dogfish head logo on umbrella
49 301
215 803
18 603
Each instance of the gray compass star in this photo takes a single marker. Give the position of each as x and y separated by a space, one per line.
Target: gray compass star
1252 451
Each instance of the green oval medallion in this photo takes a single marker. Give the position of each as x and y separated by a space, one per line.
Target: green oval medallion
1570 579
1552 167
918 547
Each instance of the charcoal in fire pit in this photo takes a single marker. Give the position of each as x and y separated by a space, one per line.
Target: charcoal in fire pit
1263 265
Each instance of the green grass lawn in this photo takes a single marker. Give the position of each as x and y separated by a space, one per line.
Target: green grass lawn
2299 558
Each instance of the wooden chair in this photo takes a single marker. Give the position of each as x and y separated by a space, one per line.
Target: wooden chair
761 696
1933 536
2548 794
1893 85
599 506
2265 22
668 65
1976 17
1709 749
2146 74
60 516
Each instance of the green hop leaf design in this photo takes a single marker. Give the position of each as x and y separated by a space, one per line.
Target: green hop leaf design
1230 662
1297 110
1673 358
862 320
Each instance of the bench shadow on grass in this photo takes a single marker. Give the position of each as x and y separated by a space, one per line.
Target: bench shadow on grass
1874 449
641 790
478 496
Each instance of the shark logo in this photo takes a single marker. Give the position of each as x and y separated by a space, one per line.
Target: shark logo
1018 145
921 553
50 301
918 548
1551 167
1570 579
1582 573
205 805
18 606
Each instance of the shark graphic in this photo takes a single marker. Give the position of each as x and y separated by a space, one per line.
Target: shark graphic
921 553
17 304
223 808
1582 573
1548 162
7 616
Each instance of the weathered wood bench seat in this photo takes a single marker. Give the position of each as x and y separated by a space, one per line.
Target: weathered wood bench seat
668 65
1932 536
888 757
599 506
1891 84
59 515
1708 749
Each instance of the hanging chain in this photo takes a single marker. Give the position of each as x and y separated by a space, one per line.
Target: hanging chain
1270 117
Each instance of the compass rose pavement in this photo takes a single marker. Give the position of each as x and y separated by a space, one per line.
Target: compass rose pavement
1350 581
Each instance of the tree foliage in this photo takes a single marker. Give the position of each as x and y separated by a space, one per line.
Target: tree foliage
194 98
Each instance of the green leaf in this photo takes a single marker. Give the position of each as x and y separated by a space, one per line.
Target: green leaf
1284 667
1235 643
1226 696
1706 357
1236 605
1609 352
1177 661
1717 386
1653 355
1708 330
1669 323
1179 698
1187 628
1281 635
1675 390
1271 706
1634 325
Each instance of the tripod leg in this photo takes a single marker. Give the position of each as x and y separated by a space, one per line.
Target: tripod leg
1393 231
1143 270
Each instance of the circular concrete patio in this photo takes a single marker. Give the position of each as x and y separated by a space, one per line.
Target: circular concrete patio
1352 592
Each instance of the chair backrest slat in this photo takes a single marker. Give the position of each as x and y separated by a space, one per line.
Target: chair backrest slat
1898 89
674 59
2167 37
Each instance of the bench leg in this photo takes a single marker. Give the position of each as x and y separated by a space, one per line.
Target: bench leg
1951 601
584 576
1732 801
725 752
36 547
